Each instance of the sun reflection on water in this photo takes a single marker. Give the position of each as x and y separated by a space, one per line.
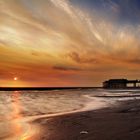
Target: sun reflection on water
21 129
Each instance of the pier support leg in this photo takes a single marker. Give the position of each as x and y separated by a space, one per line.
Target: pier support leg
134 85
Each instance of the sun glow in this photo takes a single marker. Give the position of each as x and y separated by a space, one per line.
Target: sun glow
15 78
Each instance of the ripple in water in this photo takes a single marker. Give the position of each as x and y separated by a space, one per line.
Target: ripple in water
18 109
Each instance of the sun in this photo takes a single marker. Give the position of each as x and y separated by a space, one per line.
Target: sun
15 78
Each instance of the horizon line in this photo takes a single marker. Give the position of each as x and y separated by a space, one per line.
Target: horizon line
41 88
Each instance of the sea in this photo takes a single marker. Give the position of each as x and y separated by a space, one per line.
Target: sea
19 108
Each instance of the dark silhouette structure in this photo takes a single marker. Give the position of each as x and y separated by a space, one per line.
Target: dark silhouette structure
120 83
43 88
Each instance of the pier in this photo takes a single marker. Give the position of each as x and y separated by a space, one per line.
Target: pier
121 83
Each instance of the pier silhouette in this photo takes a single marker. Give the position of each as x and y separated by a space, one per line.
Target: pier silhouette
120 83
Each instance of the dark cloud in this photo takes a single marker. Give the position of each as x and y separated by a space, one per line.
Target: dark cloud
134 61
81 59
64 68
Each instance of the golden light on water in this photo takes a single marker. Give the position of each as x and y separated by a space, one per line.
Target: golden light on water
20 128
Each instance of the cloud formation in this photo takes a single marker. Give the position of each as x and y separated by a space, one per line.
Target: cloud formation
48 41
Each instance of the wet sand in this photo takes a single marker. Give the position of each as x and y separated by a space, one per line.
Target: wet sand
117 123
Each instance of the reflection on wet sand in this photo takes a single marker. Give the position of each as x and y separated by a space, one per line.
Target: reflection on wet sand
20 112
19 128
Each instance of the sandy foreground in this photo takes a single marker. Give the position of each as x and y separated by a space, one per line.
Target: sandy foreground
118 123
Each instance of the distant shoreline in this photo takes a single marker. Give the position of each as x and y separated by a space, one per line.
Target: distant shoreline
43 88
59 88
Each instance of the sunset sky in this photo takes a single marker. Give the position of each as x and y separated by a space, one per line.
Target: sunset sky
68 42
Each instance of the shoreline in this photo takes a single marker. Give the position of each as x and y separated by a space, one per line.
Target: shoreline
117 123
109 123
44 88
61 88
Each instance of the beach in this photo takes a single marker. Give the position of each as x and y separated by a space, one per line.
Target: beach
79 114
118 123
69 69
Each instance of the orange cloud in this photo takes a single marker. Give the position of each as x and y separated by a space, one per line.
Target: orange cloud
65 46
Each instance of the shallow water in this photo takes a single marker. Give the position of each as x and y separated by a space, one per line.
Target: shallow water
19 108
